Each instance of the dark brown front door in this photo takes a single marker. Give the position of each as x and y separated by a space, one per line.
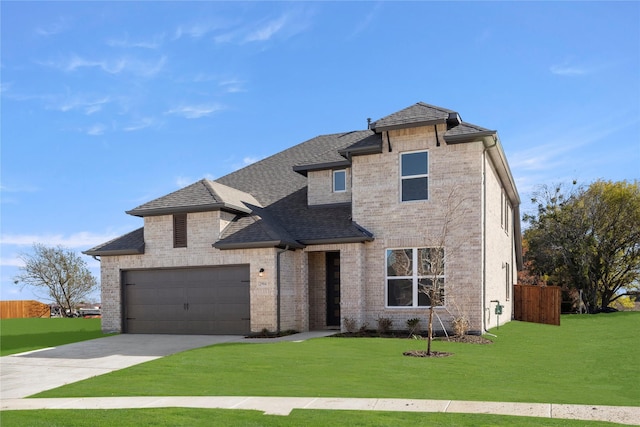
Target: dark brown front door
333 288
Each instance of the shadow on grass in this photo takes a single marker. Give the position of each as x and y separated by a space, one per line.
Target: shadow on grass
133 345
12 344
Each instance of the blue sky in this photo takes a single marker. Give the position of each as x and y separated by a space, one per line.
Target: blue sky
107 105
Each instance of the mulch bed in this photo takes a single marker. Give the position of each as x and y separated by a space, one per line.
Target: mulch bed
471 339
423 353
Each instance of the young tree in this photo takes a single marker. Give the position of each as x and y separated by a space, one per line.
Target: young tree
588 239
431 260
59 273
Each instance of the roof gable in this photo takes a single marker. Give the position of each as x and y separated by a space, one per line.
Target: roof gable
419 114
200 196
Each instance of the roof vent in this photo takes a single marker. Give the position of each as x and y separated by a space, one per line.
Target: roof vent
453 120
368 122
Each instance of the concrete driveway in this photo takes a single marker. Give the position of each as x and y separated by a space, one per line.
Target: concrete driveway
25 374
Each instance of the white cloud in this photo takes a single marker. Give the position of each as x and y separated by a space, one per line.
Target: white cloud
232 86
23 188
154 43
145 68
183 181
96 130
76 240
11 262
567 70
246 161
140 124
57 27
366 20
88 105
109 66
195 111
286 25
267 31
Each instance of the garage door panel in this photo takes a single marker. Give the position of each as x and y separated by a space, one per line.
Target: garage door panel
205 300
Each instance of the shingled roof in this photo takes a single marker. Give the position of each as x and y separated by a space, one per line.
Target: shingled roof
269 197
200 196
130 244
419 114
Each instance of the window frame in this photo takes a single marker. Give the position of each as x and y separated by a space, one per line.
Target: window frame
333 181
508 283
415 277
413 177
180 230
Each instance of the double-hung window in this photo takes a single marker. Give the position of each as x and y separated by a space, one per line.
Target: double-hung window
415 277
414 176
339 181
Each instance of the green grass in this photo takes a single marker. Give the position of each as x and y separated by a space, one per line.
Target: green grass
220 417
590 359
20 335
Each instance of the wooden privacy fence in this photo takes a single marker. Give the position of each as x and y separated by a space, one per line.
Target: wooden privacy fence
22 309
538 304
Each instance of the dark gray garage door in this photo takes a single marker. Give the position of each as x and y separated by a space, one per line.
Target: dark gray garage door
203 300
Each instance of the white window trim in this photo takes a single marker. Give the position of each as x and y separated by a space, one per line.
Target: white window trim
333 180
402 178
414 278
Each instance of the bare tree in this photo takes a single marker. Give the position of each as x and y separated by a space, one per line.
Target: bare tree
432 260
59 273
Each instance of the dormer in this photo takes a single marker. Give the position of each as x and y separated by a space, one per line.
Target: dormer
329 174
193 216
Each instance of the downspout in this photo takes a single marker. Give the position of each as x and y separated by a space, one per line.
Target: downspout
484 234
278 253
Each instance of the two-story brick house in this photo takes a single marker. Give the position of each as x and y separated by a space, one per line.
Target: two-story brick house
337 227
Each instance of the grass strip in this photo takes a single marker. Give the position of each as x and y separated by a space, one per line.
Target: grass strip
20 335
189 417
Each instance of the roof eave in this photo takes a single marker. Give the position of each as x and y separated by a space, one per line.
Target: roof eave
258 245
303 169
188 209
468 137
337 240
361 151
115 252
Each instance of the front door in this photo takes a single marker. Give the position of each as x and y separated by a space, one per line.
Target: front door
333 288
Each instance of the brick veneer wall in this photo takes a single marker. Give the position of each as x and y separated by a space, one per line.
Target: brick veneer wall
320 188
202 230
377 207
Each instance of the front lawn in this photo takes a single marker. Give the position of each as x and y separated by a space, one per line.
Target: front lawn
20 335
230 417
590 359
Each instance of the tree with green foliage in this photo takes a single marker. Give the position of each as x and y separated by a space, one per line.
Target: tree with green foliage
587 238
59 273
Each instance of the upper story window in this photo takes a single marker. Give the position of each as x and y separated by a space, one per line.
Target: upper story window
414 175
180 231
505 212
339 181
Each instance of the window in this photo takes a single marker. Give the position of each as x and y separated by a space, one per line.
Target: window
505 211
339 181
508 284
415 277
414 176
180 231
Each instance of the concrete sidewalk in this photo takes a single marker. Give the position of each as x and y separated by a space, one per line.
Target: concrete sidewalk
284 406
